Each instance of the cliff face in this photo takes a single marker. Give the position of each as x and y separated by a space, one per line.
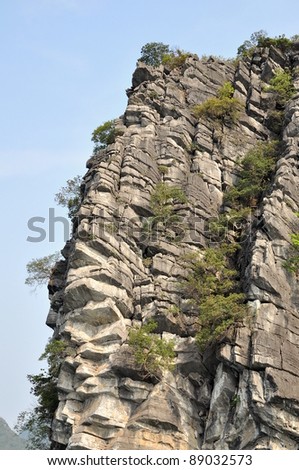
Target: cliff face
242 393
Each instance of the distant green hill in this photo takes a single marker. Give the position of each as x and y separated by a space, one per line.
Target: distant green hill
9 440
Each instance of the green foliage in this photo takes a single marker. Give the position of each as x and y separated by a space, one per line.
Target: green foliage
217 314
292 263
224 107
280 42
105 135
162 203
212 288
150 351
36 428
261 39
55 352
193 147
39 270
147 262
175 58
226 91
233 220
37 423
235 400
246 49
275 119
163 169
152 53
157 53
282 85
70 196
163 199
174 310
255 175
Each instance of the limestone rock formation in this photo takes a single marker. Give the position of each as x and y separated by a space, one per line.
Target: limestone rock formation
241 393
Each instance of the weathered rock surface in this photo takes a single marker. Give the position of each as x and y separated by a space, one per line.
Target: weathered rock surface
244 395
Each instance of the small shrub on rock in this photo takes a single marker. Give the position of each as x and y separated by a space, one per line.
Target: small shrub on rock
105 135
223 107
151 352
212 289
256 170
282 85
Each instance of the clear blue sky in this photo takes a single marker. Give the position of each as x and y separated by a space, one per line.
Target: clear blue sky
65 65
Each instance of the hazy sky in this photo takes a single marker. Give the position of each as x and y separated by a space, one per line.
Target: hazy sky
65 67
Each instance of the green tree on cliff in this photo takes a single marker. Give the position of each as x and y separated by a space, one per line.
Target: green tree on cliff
152 53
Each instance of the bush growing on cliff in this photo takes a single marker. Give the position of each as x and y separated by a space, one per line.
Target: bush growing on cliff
163 199
150 351
70 195
261 39
229 222
175 58
248 46
256 170
282 85
105 135
162 203
157 53
212 288
292 263
223 107
275 120
39 270
37 423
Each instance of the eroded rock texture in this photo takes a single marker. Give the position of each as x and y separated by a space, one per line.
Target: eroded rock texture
243 394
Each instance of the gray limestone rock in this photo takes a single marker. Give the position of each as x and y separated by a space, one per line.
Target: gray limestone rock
242 394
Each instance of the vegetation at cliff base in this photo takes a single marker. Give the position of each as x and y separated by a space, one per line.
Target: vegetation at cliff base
37 423
150 351
223 107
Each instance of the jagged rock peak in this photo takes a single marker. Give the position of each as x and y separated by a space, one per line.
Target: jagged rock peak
242 394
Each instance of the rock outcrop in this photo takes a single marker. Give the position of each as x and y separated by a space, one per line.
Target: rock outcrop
242 393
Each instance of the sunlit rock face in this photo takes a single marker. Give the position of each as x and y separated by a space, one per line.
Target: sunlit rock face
241 393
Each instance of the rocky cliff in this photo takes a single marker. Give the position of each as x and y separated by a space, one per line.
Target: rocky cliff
241 393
